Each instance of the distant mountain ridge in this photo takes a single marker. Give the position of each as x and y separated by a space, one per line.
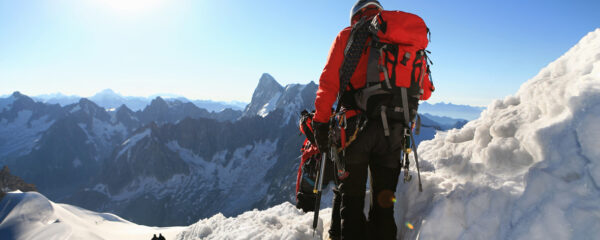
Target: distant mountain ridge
108 99
451 110
262 101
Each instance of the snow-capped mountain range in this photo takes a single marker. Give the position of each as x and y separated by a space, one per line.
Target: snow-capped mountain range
62 148
168 155
212 166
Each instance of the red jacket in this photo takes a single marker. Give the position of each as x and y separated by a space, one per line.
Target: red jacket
329 83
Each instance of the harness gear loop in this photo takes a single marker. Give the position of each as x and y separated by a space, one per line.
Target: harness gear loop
412 138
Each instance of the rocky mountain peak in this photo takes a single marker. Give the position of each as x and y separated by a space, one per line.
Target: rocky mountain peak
86 110
267 81
270 95
21 101
265 96
17 94
124 108
89 106
158 102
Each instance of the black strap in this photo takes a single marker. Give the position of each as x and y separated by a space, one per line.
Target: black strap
354 48
373 66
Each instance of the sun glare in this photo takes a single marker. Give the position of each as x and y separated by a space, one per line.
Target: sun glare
132 5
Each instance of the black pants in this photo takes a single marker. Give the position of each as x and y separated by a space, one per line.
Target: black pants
381 155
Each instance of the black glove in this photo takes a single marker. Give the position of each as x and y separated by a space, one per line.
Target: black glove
321 131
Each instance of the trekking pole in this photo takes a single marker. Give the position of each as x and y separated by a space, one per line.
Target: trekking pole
406 149
317 190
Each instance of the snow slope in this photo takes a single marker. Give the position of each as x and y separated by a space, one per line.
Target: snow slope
528 168
19 136
32 216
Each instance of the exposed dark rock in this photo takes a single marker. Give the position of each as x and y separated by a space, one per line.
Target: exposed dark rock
9 182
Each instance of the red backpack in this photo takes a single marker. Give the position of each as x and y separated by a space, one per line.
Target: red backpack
398 62
406 36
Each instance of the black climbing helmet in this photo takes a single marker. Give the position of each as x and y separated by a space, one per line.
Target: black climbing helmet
363 4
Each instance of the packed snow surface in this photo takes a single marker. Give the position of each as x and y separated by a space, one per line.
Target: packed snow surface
32 216
528 168
283 222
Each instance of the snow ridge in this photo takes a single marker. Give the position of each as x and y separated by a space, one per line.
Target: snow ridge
529 166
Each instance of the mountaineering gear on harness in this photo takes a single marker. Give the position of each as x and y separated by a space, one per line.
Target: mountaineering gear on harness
344 128
336 141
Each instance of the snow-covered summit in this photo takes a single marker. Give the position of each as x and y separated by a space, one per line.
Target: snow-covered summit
265 96
529 167
269 96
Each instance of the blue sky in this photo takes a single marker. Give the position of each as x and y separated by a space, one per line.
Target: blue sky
482 50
